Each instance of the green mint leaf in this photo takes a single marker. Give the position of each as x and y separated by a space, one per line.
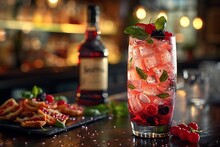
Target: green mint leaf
129 63
164 76
59 124
131 86
160 23
27 94
163 95
149 40
136 32
35 91
91 112
141 73
119 109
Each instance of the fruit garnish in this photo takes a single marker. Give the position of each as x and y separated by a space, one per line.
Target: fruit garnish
41 96
49 98
146 31
163 110
193 125
151 110
193 137
188 132
61 102
152 120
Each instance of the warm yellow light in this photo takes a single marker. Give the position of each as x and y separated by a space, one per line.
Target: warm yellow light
53 3
197 23
162 13
2 35
141 13
184 21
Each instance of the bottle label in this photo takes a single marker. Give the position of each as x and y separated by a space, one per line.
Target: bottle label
93 73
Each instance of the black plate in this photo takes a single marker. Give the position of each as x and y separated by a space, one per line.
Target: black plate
73 122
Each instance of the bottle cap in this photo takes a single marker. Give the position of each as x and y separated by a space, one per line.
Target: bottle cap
93 13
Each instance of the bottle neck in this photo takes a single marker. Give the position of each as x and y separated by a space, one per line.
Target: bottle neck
92 31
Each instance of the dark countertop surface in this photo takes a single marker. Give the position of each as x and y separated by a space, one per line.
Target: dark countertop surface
115 132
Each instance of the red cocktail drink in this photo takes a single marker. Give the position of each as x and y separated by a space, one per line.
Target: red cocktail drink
152 69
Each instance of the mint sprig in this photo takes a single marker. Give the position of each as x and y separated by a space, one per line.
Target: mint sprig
164 76
160 23
140 33
136 32
131 86
163 95
141 73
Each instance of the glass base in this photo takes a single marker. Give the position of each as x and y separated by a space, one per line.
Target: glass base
150 131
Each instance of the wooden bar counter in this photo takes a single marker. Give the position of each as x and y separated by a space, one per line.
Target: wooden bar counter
116 132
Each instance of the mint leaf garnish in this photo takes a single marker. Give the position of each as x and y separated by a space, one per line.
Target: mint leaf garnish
131 86
129 63
149 40
136 32
163 95
141 73
164 76
59 124
160 23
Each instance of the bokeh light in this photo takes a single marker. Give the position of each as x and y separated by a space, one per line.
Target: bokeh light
197 23
141 13
184 21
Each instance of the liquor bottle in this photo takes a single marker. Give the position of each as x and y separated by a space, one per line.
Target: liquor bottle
92 63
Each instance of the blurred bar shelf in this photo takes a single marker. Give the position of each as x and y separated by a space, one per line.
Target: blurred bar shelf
50 27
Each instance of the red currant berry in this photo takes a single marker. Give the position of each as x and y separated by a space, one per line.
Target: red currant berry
61 102
184 126
183 134
49 98
174 130
193 125
168 34
193 137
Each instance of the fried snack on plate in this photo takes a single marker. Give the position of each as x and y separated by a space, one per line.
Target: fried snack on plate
32 104
51 105
31 119
7 106
27 106
71 109
10 109
52 116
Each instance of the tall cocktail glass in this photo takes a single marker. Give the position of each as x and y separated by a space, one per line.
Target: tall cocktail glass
152 69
